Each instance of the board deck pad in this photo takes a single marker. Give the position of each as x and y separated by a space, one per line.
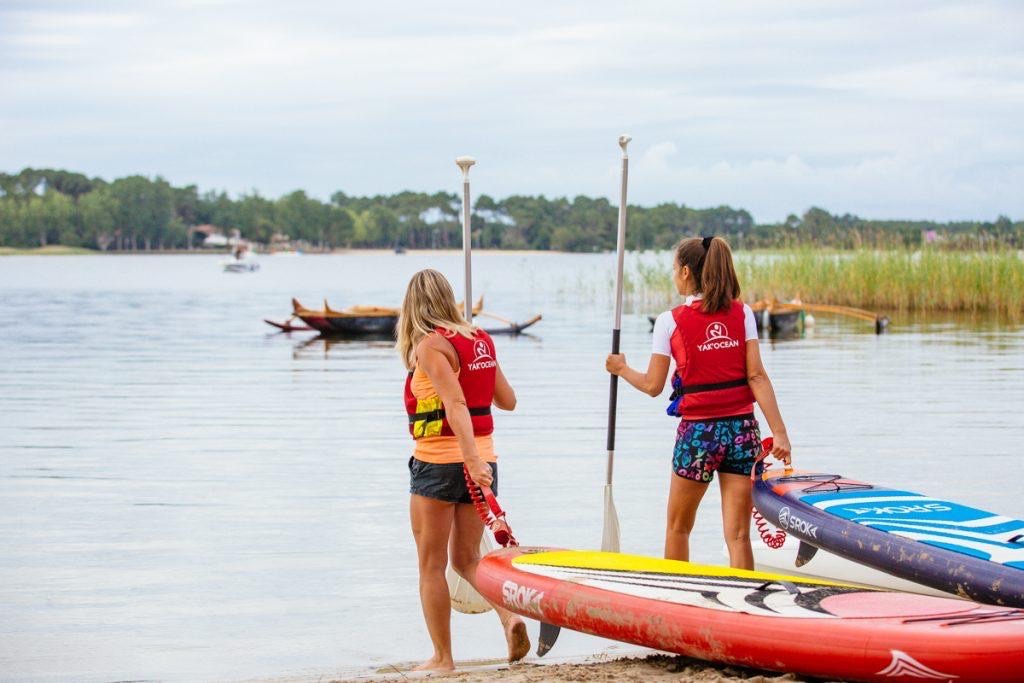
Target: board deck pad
716 588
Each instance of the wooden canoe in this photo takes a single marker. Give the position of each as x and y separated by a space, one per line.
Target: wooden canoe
375 320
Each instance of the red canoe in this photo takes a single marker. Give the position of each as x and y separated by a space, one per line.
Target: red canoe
759 620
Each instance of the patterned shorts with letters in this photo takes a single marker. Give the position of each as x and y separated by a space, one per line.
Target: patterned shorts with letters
729 445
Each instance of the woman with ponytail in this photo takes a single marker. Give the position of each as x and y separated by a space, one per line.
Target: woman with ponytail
712 337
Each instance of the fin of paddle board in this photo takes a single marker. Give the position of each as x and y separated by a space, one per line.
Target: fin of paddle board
804 553
548 636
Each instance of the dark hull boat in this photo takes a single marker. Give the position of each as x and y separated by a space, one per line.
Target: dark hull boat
354 320
375 321
782 319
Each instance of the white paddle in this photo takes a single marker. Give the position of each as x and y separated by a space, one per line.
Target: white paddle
464 163
464 597
610 535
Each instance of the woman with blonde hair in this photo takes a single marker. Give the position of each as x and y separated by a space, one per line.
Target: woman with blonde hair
453 380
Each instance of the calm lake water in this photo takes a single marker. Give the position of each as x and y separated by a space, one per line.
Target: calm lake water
185 495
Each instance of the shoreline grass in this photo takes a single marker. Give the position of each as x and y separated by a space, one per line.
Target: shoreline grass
884 281
51 250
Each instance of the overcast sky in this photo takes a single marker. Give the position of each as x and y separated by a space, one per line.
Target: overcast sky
908 109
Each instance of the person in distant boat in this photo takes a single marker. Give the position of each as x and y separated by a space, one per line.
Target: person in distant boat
718 375
453 380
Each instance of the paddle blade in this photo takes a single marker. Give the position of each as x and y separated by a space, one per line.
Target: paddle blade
610 536
464 597
548 636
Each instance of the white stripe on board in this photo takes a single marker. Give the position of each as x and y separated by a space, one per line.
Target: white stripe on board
683 591
833 502
997 554
927 527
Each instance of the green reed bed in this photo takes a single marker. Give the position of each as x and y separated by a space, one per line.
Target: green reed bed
928 280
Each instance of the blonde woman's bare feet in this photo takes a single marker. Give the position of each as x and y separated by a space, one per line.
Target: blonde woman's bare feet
518 639
437 663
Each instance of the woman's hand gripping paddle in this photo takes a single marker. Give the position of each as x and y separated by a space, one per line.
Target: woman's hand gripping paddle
610 532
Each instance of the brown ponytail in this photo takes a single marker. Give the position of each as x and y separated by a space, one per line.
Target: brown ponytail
712 270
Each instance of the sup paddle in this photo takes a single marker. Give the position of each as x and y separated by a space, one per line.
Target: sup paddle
463 596
464 163
610 534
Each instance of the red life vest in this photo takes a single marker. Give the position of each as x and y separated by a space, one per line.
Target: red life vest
477 372
710 351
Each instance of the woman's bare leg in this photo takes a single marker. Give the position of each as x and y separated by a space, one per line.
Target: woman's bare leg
683 498
431 526
736 504
465 550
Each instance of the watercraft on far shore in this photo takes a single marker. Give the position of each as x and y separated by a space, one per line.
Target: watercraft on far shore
246 265
782 319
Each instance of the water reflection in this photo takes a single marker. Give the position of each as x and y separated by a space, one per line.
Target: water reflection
185 497
324 344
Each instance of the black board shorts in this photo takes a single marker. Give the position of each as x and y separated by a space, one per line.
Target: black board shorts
443 482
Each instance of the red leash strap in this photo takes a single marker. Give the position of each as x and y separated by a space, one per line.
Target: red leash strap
489 511
779 537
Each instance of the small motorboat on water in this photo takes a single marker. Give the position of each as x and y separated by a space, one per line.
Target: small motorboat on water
241 262
246 266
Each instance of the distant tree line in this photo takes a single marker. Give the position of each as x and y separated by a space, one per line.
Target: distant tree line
39 207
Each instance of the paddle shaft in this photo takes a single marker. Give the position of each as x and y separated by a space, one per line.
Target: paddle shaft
464 163
613 388
467 247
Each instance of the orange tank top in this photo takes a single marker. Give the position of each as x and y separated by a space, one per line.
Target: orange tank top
443 450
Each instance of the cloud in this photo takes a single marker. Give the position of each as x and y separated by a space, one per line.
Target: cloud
908 109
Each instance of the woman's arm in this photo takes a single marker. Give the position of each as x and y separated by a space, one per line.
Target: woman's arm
434 360
651 382
504 396
764 394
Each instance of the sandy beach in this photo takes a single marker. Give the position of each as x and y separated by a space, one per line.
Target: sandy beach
655 667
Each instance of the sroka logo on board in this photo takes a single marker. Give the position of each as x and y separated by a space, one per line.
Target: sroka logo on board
522 598
790 522
718 338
